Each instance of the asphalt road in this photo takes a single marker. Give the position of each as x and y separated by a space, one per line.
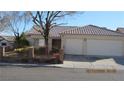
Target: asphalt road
14 73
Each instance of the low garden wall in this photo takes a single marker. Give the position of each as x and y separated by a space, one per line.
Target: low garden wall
29 55
2 51
27 52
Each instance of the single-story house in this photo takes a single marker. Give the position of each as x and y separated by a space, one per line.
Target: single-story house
6 41
85 40
120 29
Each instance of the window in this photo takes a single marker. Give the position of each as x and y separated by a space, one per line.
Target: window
41 42
3 44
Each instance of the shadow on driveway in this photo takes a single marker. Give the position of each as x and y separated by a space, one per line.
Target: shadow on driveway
82 58
119 60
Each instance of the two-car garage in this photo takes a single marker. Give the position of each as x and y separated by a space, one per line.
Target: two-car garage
94 47
73 46
105 47
93 40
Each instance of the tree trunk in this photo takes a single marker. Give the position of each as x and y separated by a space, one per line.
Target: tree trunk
46 47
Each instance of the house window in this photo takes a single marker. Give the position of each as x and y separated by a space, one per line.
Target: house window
41 42
3 44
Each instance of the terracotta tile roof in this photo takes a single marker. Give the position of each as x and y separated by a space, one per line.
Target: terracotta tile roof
74 30
92 30
54 31
32 32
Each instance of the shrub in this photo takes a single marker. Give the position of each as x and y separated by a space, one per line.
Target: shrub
19 50
24 60
55 50
21 41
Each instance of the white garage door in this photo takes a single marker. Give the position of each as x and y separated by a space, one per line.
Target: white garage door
104 47
73 46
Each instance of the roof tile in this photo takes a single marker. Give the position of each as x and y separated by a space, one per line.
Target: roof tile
92 30
85 30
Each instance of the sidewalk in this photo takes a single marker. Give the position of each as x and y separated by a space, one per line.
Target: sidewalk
100 64
25 65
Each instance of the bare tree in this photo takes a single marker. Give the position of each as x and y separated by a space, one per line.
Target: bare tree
46 20
14 21
18 22
4 21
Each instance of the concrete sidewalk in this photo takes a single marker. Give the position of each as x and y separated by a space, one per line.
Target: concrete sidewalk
26 65
99 64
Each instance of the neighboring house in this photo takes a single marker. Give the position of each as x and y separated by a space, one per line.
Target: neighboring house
121 30
6 41
86 40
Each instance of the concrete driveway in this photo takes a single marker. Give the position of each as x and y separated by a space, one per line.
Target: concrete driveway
92 62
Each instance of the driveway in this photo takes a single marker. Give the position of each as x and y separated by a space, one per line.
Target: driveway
92 62
86 62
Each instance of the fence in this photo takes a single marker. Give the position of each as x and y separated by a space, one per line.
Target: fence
2 51
28 53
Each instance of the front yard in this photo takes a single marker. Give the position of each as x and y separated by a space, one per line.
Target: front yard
30 55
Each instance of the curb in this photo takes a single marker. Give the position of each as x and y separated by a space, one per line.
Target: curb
27 65
42 65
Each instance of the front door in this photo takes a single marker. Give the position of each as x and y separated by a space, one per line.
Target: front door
56 43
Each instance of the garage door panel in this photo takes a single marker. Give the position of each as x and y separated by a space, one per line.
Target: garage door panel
104 47
73 46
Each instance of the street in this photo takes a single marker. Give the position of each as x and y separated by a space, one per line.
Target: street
15 73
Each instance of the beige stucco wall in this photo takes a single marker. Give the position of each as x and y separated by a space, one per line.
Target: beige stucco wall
34 41
88 37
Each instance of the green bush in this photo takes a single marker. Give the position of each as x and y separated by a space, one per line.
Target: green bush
21 41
